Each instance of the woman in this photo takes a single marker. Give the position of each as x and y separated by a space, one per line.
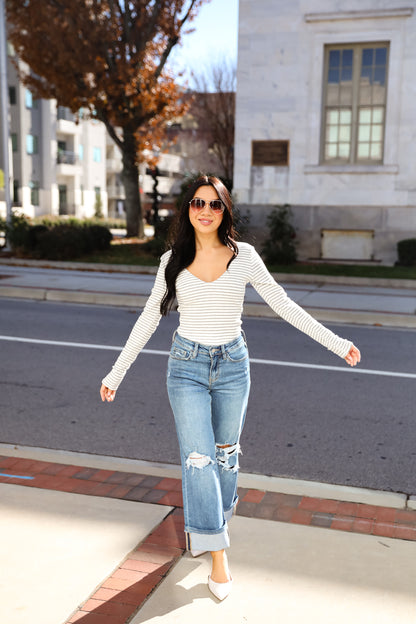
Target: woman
208 376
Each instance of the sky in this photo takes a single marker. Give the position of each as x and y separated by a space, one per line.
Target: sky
215 37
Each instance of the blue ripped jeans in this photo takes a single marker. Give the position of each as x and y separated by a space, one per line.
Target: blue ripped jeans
208 389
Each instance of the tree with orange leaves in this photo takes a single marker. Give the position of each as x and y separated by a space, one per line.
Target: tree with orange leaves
107 57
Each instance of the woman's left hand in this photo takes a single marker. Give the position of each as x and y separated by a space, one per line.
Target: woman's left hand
353 357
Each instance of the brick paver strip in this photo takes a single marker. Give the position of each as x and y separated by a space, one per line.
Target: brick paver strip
121 595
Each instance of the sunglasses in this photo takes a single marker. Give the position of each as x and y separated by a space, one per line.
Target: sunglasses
198 204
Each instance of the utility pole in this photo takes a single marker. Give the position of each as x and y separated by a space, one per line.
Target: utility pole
4 104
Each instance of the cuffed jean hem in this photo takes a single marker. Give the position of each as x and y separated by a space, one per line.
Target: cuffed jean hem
207 541
228 514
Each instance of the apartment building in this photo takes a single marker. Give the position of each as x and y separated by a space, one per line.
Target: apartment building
63 164
325 122
58 162
170 168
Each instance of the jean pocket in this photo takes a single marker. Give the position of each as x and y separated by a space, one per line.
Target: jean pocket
179 353
238 354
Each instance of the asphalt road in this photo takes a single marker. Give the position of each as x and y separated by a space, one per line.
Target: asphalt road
324 424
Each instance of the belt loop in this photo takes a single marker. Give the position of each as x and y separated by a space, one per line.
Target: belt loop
195 351
174 335
244 337
224 352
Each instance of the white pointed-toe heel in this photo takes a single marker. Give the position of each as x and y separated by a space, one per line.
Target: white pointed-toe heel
198 553
220 590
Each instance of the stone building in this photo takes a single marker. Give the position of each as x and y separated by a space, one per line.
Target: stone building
325 122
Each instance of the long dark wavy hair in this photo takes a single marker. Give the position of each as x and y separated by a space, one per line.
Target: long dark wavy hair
183 236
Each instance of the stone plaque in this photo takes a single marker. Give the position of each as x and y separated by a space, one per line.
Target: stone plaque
270 153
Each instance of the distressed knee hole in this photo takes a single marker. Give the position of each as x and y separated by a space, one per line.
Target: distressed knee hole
227 456
196 460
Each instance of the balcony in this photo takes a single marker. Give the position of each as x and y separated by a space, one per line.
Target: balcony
114 165
116 192
67 163
65 121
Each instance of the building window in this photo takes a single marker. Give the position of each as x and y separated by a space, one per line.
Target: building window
96 154
12 95
15 192
32 144
354 103
81 152
34 193
14 141
28 99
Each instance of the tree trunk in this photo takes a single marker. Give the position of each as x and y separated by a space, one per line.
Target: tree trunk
130 177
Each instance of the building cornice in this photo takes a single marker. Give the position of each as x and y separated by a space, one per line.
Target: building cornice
311 18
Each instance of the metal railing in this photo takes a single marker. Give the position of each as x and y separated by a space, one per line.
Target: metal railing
65 113
65 157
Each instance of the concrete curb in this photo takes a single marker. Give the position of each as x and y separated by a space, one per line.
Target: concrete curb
292 278
250 309
80 266
282 485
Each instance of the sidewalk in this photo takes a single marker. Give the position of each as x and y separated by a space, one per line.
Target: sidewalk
346 300
95 546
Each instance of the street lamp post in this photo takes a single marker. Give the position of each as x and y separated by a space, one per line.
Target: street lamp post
4 100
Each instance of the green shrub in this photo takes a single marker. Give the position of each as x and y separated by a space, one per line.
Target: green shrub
62 242
406 250
99 237
280 246
32 238
17 232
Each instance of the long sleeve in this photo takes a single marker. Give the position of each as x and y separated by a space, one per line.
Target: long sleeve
276 297
143 329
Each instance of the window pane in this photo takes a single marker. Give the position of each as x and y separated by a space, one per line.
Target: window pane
366 75
346 74
365 115
347 56
12 95
332 134
29 144
377 115
330 150
376 133
334 58
344 133
381 56
333 117
345 96
365 94
380 75
363 150
28 99
345 117
344 150
332 95
375 153
333 75
364 133
368 55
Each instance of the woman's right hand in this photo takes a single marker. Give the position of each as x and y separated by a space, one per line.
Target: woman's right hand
107 394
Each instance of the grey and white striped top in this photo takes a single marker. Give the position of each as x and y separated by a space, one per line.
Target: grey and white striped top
210 312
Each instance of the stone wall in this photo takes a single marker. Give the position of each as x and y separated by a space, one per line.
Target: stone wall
388 223
279 97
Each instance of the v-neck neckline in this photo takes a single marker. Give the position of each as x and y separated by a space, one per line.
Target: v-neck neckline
204 281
